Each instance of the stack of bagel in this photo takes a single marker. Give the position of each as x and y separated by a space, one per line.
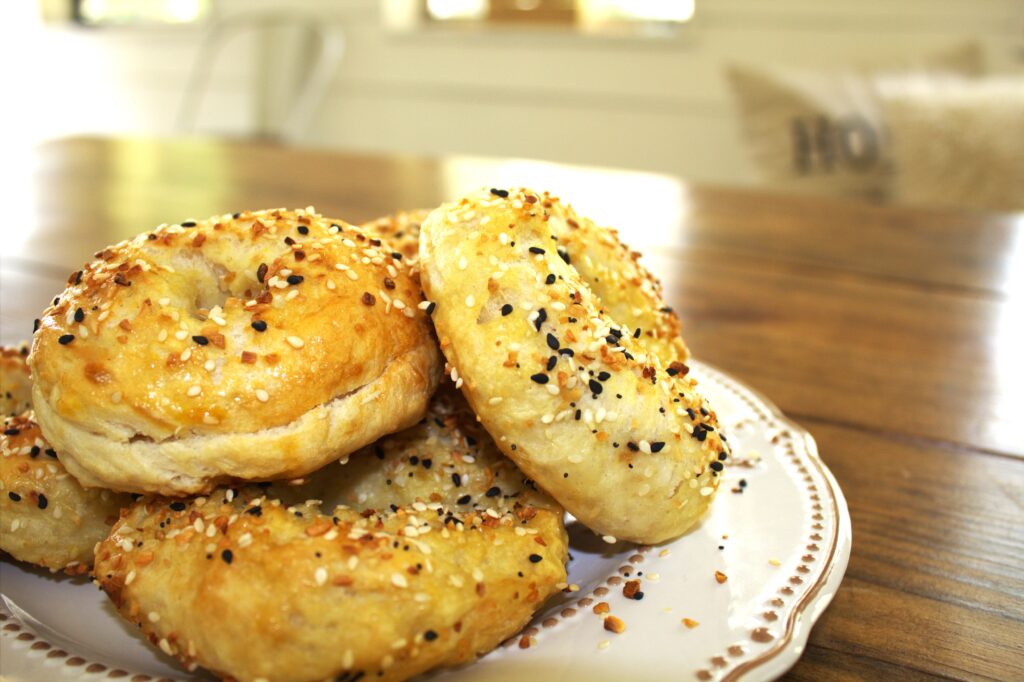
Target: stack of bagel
291 448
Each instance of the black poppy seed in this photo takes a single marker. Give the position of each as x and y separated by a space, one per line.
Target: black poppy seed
227 556
550 279
578 415
539 378
289 241
537 250
254 511
295 279
535 558
552 361
79 315
259 325
636 334
657 446
603 376
633 446
457 480
66 339
261 272
691 413
34 452
303 229
189 223
493 491
11 432
177 506
595 386
50 452
503 193
743 483
201 340
396 255
42 502
566 351
14 496
78 276
542 315
414 460
565 255
704 411
553 342
722 456
700 434
35 326
430 635
716 465
430 308
463 500
506 309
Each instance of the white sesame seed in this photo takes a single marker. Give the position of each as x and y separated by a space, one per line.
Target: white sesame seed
130 578
193 391
262 395
398 580
610 539
643 490
210 419
209 365
645 447
116 397
495 400
295 342
186 354
320 576
162 336
470 300
181 334
463 263
331 285
352 275
553 389
165 646
575 458
706 490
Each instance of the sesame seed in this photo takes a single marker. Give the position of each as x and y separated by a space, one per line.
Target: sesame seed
193 391
539 378
201 340
470 300
295 342
352 275
506 309
535 558
463 263
227 556
398 580
537 250
295 279
320 576
66 339
259 325
262 395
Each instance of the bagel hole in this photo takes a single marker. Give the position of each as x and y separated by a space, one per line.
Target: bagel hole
213 283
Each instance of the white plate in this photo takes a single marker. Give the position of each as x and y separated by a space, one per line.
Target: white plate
783 544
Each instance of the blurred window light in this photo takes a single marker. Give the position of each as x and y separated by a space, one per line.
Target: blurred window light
585 14
119 12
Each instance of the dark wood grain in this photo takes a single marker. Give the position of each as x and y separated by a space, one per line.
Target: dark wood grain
894 335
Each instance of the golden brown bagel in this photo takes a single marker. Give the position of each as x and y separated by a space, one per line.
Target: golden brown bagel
628 291
453 553
15 384
592 414
254 346
46 517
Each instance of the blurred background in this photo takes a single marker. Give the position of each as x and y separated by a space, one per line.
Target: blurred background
899 101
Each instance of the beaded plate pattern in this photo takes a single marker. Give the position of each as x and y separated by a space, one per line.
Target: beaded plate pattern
735 598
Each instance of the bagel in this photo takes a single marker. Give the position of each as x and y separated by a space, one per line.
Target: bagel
401 230
15 384
580 402
254 346
627 290
447 552
48 519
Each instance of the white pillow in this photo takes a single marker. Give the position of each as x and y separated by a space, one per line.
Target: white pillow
957 143
821 131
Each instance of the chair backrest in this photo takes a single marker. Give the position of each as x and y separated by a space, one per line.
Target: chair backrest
309 92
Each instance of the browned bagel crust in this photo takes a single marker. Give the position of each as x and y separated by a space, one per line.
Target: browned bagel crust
48 519
457 555
254 346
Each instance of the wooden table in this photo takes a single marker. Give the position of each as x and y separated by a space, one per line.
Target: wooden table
896 336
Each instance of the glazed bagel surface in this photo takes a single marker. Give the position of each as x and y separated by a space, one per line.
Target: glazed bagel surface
251 346
447 552
15 381
48 519
581 403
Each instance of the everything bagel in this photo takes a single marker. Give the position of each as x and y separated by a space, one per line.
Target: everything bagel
445 551
579 400
48 519
248 346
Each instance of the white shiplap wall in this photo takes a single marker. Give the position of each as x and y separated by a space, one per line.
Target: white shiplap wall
653 104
